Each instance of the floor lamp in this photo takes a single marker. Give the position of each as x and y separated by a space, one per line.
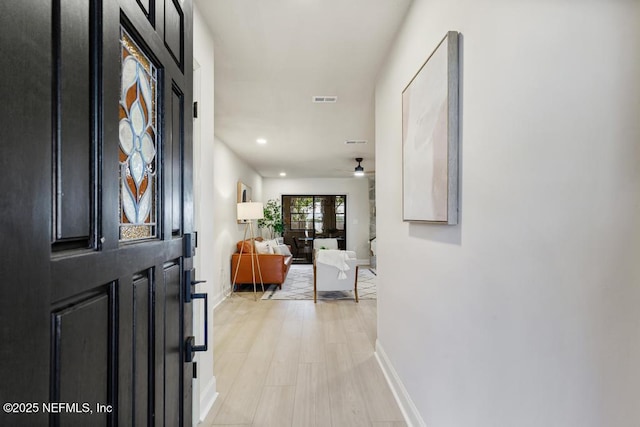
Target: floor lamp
249 211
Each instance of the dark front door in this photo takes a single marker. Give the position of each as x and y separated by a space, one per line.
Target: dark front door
96 202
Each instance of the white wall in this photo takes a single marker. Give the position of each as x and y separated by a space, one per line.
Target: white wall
357 191
526 313
228 170
203 157
217 171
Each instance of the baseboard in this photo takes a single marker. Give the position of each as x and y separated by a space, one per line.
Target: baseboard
364 261
208 398
218 299
409 411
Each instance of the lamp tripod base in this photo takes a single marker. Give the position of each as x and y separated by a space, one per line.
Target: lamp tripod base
255 263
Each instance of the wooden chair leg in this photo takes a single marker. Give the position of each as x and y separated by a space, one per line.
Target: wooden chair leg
355 285
315 289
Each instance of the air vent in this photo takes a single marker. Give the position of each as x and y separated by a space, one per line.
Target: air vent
355 141
325 99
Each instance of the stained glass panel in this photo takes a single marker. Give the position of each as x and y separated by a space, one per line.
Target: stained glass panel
137 143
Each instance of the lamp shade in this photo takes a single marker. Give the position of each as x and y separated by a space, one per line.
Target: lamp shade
250 210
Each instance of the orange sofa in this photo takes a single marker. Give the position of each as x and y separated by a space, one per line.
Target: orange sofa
274 267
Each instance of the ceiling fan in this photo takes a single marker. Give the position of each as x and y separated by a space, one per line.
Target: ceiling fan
359 170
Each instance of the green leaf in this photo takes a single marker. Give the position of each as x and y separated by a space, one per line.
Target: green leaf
272 218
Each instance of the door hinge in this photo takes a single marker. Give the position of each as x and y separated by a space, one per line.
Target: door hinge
195 110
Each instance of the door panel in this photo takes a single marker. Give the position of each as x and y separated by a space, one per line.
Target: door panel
82 366
174 165
146 6
173 341
142 350
173 31
92 318
72 92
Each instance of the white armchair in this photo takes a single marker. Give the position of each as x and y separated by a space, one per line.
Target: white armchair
335 270
325 244
322 244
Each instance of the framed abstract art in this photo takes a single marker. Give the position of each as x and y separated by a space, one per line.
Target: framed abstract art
430 138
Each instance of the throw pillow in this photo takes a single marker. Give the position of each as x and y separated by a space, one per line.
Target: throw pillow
245 245
284 250
263 248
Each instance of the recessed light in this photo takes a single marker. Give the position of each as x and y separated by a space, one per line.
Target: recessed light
283 174
261 141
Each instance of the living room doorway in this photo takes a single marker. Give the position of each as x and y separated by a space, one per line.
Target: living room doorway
307 217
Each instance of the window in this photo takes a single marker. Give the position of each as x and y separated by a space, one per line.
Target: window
307 217
301 213
340 210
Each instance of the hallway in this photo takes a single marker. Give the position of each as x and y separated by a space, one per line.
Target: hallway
296 363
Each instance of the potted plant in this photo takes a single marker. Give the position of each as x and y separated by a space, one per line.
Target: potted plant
272 218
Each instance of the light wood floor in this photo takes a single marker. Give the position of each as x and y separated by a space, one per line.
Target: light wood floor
296 363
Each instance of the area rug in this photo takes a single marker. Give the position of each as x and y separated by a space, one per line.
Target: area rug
299 286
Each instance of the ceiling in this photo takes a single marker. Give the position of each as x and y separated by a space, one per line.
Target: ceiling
272 57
